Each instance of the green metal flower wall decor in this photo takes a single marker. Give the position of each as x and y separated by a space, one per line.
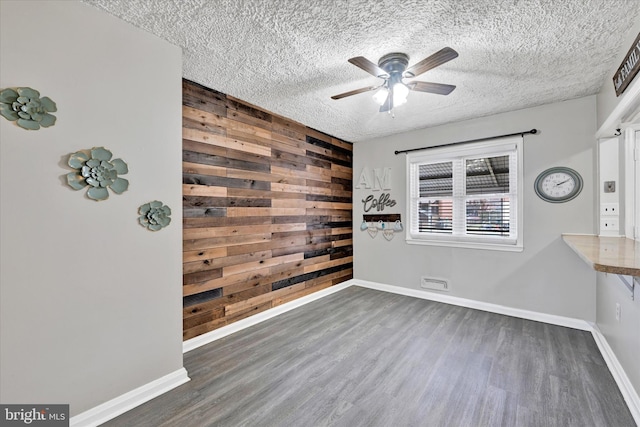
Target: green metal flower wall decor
154 215
25 107
98 172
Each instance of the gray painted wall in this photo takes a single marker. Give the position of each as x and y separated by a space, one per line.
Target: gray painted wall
90 303
547 276
623 336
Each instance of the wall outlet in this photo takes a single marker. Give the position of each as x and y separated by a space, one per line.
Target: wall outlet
609 224
617 312
609 209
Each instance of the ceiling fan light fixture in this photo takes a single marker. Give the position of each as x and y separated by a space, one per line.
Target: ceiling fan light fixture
381 95
400 92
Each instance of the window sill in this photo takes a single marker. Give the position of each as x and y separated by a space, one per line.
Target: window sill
466 245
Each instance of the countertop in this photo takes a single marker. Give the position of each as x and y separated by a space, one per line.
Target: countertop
617 255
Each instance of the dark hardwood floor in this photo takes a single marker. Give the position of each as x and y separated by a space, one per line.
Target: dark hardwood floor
362 357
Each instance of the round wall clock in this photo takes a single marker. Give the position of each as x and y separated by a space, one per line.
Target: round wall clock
558 185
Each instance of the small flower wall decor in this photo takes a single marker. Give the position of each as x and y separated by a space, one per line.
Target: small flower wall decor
154 215
25 107
98 172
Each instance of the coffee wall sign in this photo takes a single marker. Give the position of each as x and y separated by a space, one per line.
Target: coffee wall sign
371 202
377 179
628 69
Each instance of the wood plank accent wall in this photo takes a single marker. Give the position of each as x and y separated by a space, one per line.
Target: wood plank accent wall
267 210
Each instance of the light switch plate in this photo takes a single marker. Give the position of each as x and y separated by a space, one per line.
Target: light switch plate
609 186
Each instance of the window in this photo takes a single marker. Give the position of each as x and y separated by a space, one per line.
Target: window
466 195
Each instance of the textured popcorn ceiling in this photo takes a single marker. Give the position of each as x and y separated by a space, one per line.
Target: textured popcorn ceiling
290 56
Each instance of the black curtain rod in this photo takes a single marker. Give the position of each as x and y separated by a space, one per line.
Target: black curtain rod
532 131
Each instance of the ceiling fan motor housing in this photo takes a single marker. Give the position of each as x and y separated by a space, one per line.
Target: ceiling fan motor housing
394 63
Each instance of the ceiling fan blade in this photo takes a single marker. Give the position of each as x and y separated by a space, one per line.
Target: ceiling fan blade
440 57
438 88
368 66
388 104
354 92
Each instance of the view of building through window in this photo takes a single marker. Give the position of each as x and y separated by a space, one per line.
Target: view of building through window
483 192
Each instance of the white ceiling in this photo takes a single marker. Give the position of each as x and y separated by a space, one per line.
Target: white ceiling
289 57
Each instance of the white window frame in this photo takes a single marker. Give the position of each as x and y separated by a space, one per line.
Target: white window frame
514 242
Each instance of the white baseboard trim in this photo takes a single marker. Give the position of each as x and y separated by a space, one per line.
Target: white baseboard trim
222 332
125 402
619 375
479 305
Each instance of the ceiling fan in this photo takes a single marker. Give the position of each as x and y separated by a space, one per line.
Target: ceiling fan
393 69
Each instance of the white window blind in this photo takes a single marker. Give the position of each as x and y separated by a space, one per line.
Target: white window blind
466 195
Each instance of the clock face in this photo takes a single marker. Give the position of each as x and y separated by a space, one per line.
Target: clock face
558 184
